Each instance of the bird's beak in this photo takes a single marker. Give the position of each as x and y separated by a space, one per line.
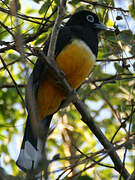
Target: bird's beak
100 26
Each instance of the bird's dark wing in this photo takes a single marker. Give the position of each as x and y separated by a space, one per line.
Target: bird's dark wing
40 69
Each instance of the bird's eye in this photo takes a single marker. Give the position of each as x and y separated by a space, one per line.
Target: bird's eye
90 18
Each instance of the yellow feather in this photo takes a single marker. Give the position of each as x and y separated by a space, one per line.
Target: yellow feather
76 60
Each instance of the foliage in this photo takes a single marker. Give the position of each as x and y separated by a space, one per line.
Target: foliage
108 92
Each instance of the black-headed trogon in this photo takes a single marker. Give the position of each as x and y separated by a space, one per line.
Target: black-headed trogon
75 54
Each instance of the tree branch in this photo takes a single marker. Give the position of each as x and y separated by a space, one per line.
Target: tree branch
115 60
86 118
12 86
55 31
103 5
22 16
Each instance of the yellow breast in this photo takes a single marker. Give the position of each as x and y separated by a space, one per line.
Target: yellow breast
76 60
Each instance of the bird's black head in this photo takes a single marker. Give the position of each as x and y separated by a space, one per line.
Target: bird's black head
86 19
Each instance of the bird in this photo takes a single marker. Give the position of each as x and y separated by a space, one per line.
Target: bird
75 55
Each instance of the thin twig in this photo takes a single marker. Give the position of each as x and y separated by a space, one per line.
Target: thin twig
122 125
115 60
103 5
7 29
100 153
27 39
4 43
55 31
109 104
38 33
22 16
91 158
2 50
108 80
128 135
12 86
4 64
11 63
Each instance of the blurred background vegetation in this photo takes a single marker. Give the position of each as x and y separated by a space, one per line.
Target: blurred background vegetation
108 93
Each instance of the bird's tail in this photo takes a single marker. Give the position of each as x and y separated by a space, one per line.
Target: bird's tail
30 153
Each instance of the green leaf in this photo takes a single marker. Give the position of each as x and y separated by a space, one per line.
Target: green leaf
44 7
85 178
132 10
40 40
126 36
12 56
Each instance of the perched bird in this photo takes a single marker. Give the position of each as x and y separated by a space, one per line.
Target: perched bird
75 55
